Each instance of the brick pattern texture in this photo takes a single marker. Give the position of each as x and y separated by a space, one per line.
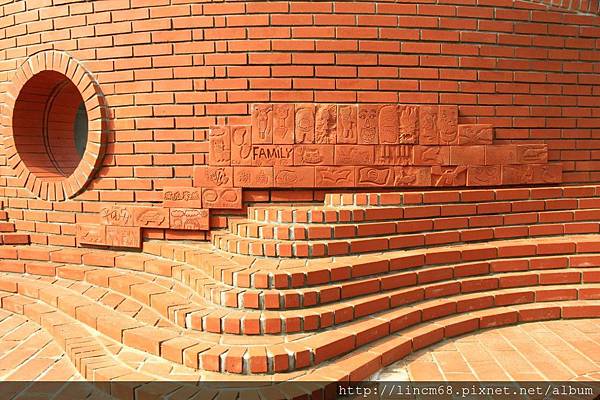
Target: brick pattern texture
170 69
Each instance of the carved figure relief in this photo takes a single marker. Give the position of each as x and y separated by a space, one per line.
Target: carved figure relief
305 124
123 236
326 124
532 154
262 123
367 124
431 155
449 176
409 125
470 134
346 132
294 176
428 121
189 219
448 124
213 176
313 155
483 175
91 234
241 146
182 197
412 176
354 155
220 146
253 177
283 124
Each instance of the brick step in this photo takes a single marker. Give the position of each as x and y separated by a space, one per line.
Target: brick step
462 195
267 273
170 300
223 355
514 201
232 243
536 223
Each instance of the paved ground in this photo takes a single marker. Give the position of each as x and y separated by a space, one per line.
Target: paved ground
554 350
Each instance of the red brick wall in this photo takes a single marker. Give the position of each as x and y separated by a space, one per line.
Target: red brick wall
169 71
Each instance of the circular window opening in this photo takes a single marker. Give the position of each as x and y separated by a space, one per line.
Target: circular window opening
50 125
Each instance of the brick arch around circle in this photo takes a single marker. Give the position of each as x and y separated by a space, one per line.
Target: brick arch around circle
43 106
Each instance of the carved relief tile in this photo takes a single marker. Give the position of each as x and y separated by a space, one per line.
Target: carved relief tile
470 134
241 145
532 153
91 234
431 155
116 215
449 176
500 154
367 123
213 176
428 125
354 154
484 175
467 155
294 177
192 219
412 176
283 124
409 125
253 177
262 124
190 197
264 155
548 173
304 129
370 176
326 124
517 174
123 236
334 177
390 154
389 124
219 146
447 124
151 217
313 155
230 198
347 124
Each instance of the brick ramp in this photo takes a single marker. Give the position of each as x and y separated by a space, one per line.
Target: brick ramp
481 259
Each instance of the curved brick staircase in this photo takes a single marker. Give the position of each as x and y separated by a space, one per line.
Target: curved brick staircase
313 292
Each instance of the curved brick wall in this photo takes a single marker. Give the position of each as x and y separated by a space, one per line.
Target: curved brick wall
169 72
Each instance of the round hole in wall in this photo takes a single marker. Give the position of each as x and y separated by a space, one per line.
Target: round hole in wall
59 126
50 125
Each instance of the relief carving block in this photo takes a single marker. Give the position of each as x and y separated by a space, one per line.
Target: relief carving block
390 154
213 176
547 173
326 124
219 146
517 174
283 124
272 155
91 234
447 125
304 129
230 198
253 177
532 154
431 155
313 155
294 177
151 217
500 154
470 134
241 145
262 124
449 176
116 215
389 124
409 124
412 176
335 177
354 155
347 124
370 176
467 155
484 175
367 124
182 196
428 125
192 219
123 236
